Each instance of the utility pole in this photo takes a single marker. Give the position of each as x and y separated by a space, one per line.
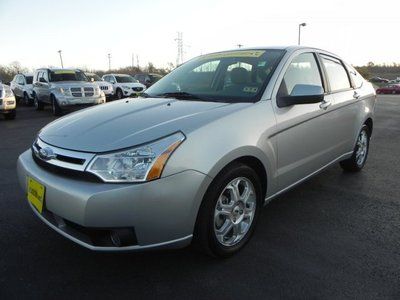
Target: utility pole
137 61
109 61
239 45
133 60
62 65
300 25
179 43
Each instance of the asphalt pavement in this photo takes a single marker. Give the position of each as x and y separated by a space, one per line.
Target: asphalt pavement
335 236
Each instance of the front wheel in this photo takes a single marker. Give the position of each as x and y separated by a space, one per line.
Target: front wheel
359 157
229 211
119 94
56 109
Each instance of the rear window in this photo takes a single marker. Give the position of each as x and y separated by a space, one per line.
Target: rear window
29 79
337 74
124 79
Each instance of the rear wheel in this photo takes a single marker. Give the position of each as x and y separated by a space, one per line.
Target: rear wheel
37 103
27 101
357 161
229 211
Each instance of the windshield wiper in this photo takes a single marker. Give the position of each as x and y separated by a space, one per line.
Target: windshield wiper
181 96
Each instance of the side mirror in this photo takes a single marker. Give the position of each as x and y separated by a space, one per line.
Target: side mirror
302 94
112 81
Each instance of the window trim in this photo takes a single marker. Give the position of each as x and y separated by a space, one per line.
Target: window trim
330 91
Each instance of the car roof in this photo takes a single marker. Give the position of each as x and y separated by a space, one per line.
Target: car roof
290 48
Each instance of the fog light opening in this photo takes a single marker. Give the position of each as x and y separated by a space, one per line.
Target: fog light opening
123 237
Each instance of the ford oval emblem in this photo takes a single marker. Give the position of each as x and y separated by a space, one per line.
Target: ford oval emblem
46 154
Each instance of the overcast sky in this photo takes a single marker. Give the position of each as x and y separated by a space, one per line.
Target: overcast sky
86 30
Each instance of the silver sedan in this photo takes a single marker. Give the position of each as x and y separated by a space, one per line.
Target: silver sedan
199 154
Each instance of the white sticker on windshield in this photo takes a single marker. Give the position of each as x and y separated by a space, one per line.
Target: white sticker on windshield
250 89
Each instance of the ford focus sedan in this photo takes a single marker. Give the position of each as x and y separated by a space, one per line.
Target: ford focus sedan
197 156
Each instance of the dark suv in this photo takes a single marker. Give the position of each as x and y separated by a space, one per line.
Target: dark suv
148 79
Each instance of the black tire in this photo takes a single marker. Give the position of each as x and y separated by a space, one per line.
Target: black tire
11 115
37 103
205 236
55 108
353 164
27 101
119 94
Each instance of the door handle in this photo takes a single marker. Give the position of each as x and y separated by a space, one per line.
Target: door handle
356 95
325 104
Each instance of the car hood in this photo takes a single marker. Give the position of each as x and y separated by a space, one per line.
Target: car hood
126 123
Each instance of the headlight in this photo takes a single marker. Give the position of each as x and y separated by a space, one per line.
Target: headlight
65 91
126 87
8 93
139 164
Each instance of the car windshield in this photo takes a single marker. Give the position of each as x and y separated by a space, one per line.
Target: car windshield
234 76
67 75
93 77
29 79
124 79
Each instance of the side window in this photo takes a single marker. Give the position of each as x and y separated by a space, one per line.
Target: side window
337 74
45 76
303 70
355 76
21 80
40 75
15 79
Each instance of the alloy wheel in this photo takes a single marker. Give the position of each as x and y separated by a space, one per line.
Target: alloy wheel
234 211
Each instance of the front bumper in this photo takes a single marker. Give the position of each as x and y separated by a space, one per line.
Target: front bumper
162 212
66 102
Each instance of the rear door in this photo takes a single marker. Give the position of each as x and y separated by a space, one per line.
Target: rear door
304 131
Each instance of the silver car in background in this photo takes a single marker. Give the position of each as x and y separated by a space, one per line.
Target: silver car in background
22 87
64 89
104 86
199 154
7 102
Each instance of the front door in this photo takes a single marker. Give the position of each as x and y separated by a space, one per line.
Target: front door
305 132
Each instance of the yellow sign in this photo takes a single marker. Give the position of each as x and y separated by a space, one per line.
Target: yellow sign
36 194
243 53
64 72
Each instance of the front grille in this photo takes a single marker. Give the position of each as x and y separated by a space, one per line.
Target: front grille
65 172
82 92
137 89
104 88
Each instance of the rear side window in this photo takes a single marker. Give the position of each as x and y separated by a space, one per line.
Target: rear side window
337 74
355 76
303 70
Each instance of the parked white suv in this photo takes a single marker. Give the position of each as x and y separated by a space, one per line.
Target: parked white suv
22 87
105 86
124 85
7 102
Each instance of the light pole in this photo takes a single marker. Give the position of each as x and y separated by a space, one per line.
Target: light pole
109 61
62 65
301 25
